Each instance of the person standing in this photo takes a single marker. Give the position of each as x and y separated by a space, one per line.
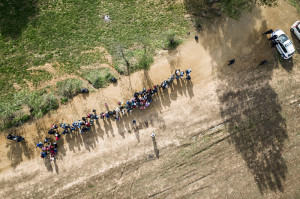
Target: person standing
232 61
263 62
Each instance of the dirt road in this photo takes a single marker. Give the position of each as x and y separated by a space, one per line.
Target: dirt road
232 132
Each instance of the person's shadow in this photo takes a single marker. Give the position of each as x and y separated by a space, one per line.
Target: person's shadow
156 151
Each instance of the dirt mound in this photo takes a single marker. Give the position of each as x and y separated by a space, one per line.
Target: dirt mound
47 67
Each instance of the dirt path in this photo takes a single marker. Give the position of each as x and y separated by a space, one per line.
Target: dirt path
229 133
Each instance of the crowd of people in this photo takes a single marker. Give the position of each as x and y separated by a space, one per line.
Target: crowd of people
48 148
140 100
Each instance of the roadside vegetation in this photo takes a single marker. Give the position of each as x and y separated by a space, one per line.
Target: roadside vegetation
26 105
172 41
68 88
296 3
98 78
35 32
68 34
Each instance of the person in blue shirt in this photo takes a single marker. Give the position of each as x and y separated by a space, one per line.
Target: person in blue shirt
72 128
43 154
40 145
65 131
181 74
188 71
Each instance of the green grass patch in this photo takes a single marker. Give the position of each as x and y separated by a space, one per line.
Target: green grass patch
144 61
99 78
295 3
172 41
38 103
41 103
36 32
69 88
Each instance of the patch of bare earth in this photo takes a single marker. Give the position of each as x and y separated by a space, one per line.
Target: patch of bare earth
107 57
47 67
29 84
52 68
17 87
105 60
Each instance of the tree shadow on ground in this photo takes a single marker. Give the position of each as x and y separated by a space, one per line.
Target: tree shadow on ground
15 15
249 104
16 152
201 9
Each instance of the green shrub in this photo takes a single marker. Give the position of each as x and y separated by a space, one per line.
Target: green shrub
296 3
59 34
7 111
64 100
98 81
69 88
98 78
121 69
17 121
145 61
172 41
41 102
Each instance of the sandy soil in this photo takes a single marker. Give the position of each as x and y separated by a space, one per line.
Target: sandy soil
232 132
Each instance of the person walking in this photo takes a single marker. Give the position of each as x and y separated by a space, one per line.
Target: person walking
231 61
263 62
54 126
65 131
